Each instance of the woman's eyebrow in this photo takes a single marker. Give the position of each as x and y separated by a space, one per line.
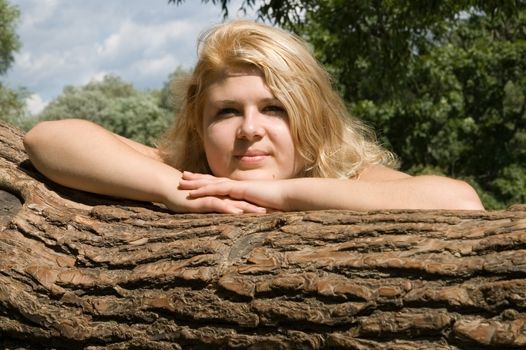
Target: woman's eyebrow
215 105
222 102
232 102
271 100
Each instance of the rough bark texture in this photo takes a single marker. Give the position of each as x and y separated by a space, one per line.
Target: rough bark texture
79 271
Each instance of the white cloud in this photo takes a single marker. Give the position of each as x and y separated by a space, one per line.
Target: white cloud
39 12
35 104
155 66
73 42
135 37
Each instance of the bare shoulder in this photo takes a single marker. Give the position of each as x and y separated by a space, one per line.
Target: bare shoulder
381 173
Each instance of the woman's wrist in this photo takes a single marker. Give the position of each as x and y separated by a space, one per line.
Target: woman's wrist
166 187
291 194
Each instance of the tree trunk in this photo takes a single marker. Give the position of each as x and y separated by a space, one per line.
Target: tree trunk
81 271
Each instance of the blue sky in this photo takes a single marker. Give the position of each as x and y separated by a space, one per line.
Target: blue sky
71 42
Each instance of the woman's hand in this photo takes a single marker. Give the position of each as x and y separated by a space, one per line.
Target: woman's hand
262 194
182 201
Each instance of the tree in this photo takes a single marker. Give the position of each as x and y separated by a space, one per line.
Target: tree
9 42
82 271
12 105
172 93
441 81
114 104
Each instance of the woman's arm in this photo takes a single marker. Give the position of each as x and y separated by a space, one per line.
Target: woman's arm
85 156
377 188
419 192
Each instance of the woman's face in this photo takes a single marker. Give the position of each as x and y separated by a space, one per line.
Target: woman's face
246 130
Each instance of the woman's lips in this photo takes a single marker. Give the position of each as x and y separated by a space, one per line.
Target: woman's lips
252 157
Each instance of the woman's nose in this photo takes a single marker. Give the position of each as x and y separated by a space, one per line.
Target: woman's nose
251 127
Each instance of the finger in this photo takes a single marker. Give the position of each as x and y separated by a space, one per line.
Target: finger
248 207
217 189
192 176
214 205
193 184
224 205
230 206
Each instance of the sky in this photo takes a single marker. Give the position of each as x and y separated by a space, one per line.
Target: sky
72 42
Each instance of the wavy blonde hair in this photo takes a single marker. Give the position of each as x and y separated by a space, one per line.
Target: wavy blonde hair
331 142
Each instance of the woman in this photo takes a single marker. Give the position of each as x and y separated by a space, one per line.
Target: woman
260 129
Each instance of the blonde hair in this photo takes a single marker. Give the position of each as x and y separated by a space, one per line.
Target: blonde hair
330 141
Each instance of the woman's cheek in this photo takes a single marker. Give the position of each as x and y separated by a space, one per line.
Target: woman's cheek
217 148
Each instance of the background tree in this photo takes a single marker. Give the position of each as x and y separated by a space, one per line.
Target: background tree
172 92
114 104
12 105
443 82
9 42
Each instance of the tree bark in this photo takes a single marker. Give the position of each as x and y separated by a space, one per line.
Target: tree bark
91 272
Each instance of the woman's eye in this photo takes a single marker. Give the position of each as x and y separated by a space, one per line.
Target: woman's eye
226 112
275 110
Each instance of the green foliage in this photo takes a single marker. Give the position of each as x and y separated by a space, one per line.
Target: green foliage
12 105
114 104
462 107
171 96
137 117
9 42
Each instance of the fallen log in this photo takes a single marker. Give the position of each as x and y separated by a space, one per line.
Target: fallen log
91 272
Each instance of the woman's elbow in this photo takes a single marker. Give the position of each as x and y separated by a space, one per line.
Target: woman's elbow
47 133
34 137
462 196
439 192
